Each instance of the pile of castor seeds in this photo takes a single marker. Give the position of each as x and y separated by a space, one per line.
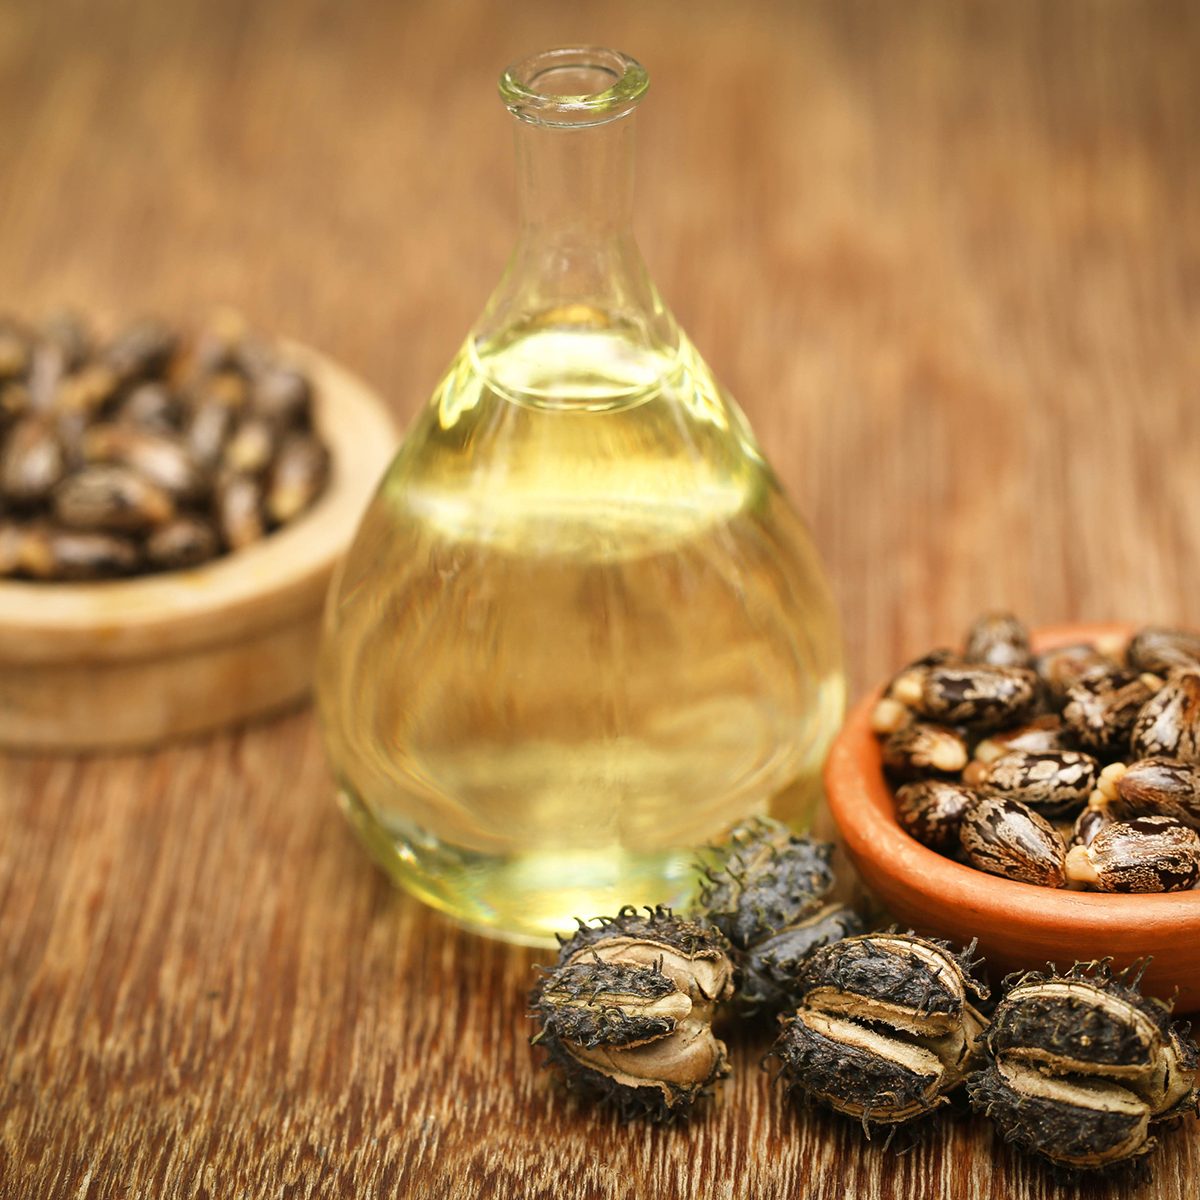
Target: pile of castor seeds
1079 767
144 453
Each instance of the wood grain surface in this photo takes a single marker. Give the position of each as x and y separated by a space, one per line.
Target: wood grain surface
948 258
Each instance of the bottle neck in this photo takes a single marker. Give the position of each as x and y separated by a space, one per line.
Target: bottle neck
576 263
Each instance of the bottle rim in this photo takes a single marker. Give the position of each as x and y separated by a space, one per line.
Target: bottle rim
572 86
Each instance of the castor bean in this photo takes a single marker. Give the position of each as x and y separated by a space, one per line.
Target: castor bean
998 640
1102 708
983 698
112 498
920 749
1054 783
1168 725
298 476
184 542
1004 837
931 811
1042 734
1142 854
1161 651
32 461
160 457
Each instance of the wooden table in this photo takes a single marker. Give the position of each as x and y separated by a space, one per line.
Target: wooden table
948 256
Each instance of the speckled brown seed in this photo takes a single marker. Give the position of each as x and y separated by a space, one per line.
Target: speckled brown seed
1062 668
921 749
1053 783
1044 733
1143 854
1159 786
1102 708
998 640
1004 837
931 810
1162 651
984 698
1168 726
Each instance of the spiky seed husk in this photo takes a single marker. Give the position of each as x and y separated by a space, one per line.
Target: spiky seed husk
920 749
1042 734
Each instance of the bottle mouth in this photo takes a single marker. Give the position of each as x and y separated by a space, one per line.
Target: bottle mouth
573 86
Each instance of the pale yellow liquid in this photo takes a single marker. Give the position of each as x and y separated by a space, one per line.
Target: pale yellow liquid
580 633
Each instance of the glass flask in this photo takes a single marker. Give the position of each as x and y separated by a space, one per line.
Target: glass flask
580 631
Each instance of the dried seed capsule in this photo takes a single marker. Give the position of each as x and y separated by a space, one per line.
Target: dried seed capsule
161 458
1003 837
298 477
920 749
1041 735
1102 707
31 461
152 406
999 640
767 976
931 811
251 447
984 698
885 1027
1161 651
1158 787
763 879
1080 1066
626 1012
1087 825
183 542
1052 783
1061 669
112 498
1168 726
239 510
65 554
1143 854
141 351
284 397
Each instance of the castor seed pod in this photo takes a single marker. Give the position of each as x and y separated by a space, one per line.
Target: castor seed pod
931 810
1168 725
31 461
1158 786
998 640
1053 783
239 510
1102 707
1087 825
1004 837
1081 1065
885 1028
112 498
767 971
1062 668
184 542
160 457
1143 854
920 748
763 879
984 698
626 1012
1161 651
49 553
1044 733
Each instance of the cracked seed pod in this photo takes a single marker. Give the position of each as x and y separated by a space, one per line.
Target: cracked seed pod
1002 836
1054 783
762 880
1161 651
1143 854
931 811
1080 1066
1169 724
998 640
1040 736
885 1028
1151 787
983 698
919 749
626 1013
1102 707
1061 669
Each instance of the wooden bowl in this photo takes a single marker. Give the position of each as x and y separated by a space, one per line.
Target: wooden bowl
1018 925
135 661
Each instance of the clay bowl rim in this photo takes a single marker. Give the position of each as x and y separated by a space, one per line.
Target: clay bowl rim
862 806
278 579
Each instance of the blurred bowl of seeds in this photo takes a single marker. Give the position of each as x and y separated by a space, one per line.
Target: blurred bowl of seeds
149 601
1019 925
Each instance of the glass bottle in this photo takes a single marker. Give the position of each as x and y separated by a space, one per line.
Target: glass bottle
580 631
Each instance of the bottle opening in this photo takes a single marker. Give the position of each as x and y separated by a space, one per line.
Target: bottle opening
572 86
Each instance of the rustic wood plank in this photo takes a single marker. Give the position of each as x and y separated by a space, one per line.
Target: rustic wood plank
947 256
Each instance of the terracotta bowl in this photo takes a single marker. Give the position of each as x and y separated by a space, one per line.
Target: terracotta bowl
1018 925
133 662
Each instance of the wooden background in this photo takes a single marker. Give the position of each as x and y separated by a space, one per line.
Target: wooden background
948 257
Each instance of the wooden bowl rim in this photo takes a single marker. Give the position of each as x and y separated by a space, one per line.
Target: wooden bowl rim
863 808
279 579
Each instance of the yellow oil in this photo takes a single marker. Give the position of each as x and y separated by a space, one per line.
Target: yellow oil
579 634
